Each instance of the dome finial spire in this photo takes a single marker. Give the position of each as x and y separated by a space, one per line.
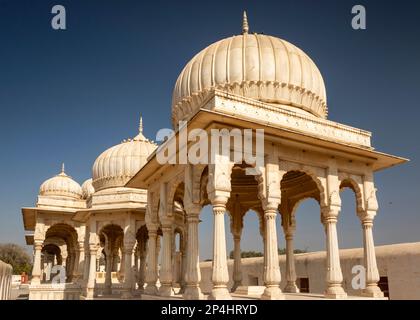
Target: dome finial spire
62 173
141 124
245 26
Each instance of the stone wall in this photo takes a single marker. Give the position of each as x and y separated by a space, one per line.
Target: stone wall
400 263
6 271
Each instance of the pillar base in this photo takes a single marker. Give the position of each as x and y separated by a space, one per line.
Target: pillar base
108 291
291 287
126 295
335 292
272 293
220 293
236 285
182 289
192 293
166 291
90 294
373 291
151 290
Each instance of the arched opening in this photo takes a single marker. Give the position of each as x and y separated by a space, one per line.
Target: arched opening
50 256
112 270
309 234
252 243
349 224
64 237
300 192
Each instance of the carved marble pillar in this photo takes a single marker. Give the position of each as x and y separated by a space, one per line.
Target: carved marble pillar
372 273
128 270
36 271
142 267
218 190
136 264
334 277
81 261
166 266
71 265
122 265
289 230
220 275
236 227
151 272
158 247
90 290
108 266
182 271
237 266
86 267
192 274
98 259
115 258
272 275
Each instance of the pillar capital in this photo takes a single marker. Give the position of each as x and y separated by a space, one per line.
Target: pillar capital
220 201
152 227
93 248
128 251
270 210
192 209
330 213
236 237
81 246
193 218
270 205
38 244
366 217
166 228
289 233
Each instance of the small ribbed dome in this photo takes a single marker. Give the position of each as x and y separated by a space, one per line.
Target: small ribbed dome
255 66
61 185
87 189
117 165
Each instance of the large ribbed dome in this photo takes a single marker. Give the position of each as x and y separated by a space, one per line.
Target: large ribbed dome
256 66
61 185
117 165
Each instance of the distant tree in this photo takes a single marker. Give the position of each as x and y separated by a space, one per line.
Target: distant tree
17 257
283 251
251 254
247 254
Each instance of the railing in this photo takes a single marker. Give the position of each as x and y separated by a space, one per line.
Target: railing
6 272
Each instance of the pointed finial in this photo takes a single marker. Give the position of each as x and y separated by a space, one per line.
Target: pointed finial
245 26
141 124
62 168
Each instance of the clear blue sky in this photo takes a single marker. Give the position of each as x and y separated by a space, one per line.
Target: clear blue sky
69 95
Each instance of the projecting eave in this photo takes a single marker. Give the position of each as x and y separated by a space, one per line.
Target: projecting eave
83 215
285 136
29 214
29 238
29 218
